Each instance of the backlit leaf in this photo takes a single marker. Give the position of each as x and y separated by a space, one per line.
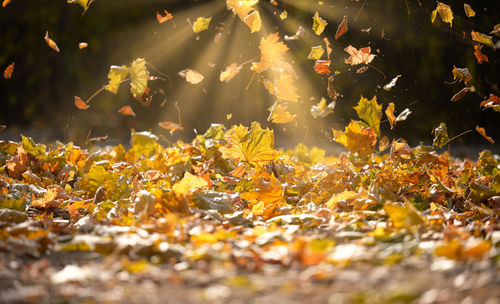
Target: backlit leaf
139 77
271 52
165 18
283 88
444 12
482 38
316 52
201 24
479 55
322 67
342 29
116 75
83 3
143 143
189 183
82 45
283 15
230 72
371 112
462 74
7 73
482 131
5 3
357 138
461 94
191 76
127 110
80 104
389 112
440 136
469 12
279 114
253 21
391 84
241 7
492 101
318 24
359 56
403 216
51 43
322 109
170 126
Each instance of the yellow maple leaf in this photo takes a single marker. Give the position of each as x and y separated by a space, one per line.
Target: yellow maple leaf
357 138
271 52
188 184
371 112
279 114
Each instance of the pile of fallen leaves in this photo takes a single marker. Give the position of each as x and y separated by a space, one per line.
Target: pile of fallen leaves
230 197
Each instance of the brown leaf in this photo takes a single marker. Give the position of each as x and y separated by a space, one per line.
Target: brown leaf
18 163
2 127
332 93
389 112
482 131
161 18
328 47
461 94
7 74
359 56
342 29
80 104
51 43
127 110
146 98
361 70
490 101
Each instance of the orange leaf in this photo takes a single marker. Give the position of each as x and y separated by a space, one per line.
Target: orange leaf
170 126
271 52
7 74
17 164
359 56
127 110
161 18
5 2
480 56
492 100
322 67
80 104
230 72
51 42
82 45
389 112
342 29
482 131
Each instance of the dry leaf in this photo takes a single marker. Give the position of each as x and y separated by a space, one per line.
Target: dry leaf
318 24
201 24
165 18
322 67
482 38
461 73
230 72
479 55
482 131
5 3
389 112
391 84
316 52
444 12
342 29
469 12
279 114
359 56
191 76
7 73
253 21
51 42
271 53
82 45
127 110
80 104
283 15
461 94
328 47
170 126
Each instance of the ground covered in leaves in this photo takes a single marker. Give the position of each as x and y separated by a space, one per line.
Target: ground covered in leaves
229 218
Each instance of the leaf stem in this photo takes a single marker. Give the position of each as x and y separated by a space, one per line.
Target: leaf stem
376 69
455 137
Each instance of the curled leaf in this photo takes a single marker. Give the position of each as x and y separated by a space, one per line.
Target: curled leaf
342 29
80 104
482 38
51 42
389 112
322 67
461 94
170 126
444 12
479 55
462 74
482 131
440 136
359 56
469 12
7 73
391 84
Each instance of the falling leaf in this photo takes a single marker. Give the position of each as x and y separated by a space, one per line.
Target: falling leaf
389 112
82 45
496 30
318 24
322 109
479 55
165 18
51 42
332 93
461 94
80 104
201 24
253 21
316 52
322 67
283 15
189 183
83 3
271 53
116 75
403 115
444 12
230 72
492 101
170 126
357 57
482 38
482 131
371 112
279 114
469 12
328 47
283 88
383 144
5 3
391 84
191 76
145 99
229 116
361 70
241 7
441 138
139 77
7 73
462 74
127 110
299 34
342 29
357 138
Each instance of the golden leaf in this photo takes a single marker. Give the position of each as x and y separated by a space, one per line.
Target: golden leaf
318 24
201 24
253 21
116 75
316 52
139 77
189 183
357 138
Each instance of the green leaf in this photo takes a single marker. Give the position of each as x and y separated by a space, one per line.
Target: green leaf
139 77
440 136
116 75
143 143
370 112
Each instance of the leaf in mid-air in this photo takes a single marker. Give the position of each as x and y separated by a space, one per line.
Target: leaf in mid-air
279 114
83 3
482 131
5 3
51 43
322 67
116 75
271 52
283 88
191 76
127 110
370 112
165 18
462 73
318 24
469 12
440 136
359 56
389 112
444 12
316 52
241 7
482 38
492 101
391 84
342 29
496 30
254 146
82 45
322 109
139 77
283 15
80 104
357 138
201 24
461 94
253 21
7 73
170 126
479 55
230 72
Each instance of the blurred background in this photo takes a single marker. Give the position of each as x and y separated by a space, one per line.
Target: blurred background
39 99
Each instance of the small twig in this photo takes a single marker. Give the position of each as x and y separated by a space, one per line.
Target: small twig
407 7
362 6
178 113
376 69
455 137
248 61
253 76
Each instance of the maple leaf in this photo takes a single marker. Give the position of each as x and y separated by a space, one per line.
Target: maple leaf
189 183
201 24
479 55
253 21
322 109
18 163
342 29
80 104
444 12
403 215
462 74
469 12
359 56
283 88
127 110
357 138
139 77
7 73
370 112
267 198
191 76
51 43
241 7
279 114
482 38
254 146
441 138
230 72
316 52
165 18
482 131
170 126
116 75
318 24
271 52
83 3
